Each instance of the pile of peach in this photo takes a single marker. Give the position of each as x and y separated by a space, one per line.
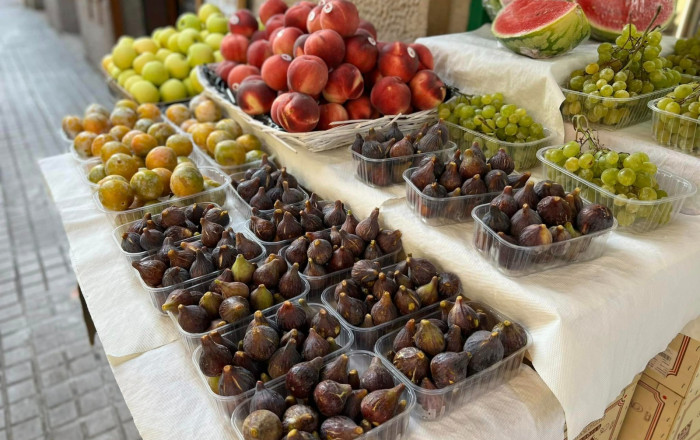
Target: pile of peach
314 65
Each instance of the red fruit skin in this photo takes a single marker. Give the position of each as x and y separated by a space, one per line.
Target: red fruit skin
224 68
272 24
307 74
281 100
328 45
296 16
425 56
284 40
344 82
243 22
299 114
239 73
274 71
361 51
368 27
360 108
258 35
258 52
371 79
397 59
298 49
340 16
391 96
313 20
254 97
329 113
270 8
234 48
427 90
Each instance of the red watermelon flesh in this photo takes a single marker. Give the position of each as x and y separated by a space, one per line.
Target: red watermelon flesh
527 16
608 17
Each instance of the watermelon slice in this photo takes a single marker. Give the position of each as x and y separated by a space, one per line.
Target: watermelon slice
541 28
608 17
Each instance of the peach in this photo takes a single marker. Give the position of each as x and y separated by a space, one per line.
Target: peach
252 77
391 96
344 82
284 40
381 45
243 22
280 101
340 16
274 71
299 113
427 90
425 57
224 68
307 74
298 49
296 16
270 8
368 27
234 48
326 44
397 59
254 97
371 79
258 35
258 52
329 113
361 51
360 108
239 73
272 24
313 21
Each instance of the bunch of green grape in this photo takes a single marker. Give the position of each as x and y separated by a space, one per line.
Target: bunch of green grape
678 132
628 176
686 56
630 67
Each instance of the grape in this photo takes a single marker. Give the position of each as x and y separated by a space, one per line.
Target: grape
585 161
647 194
632 162
571 164
571 149
612 157
626 176
649 168
557 156
609 176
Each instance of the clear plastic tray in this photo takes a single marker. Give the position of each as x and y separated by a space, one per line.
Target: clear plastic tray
514 260
634 109
318 284
676 132
390 170
435 404
78 158
160 294
227 404
636 216
64 137
523 153
216 195
193 340
365 338
393 429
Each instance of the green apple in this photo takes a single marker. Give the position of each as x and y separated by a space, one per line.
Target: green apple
214 40
126 74
123 55
145 44
196 86
156 33
206 10
200 53
187 38
144 91
125 39
172 42
188 86
131 81
141 61
218 57
217 23
204 34
114 72
177 66
155 72
188 20
173 90
165 34
162 54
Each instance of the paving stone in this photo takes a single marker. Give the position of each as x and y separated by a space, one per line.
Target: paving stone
18 372
131 432
28 430
21 390
17 355
93 400
68 432
57 394
99 421
23 410
62 414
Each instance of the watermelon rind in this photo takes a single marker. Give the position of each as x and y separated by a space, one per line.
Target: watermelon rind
549 40
602 32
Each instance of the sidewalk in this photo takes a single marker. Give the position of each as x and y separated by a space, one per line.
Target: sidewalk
54 384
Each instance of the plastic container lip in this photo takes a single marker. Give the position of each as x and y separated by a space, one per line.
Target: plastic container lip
641 97
357 156
407 178
64 137
477 213
374 432
652 105
549 136
669 198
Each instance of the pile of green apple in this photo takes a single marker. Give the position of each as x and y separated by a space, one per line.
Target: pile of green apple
160 68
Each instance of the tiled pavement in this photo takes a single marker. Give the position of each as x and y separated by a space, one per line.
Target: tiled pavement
54 385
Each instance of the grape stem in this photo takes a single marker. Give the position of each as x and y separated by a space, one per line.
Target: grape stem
585 135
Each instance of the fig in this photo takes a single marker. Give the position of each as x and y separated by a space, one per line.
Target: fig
174 276
518 181
429 338
523 218
512 336
330 397
325 324
570 229
162 254
310 222
367 322
527 195
211 233
284 176
262 425
449 368
223 256
402 280
380 406
242 269
368 228
302 378
483 320
291 195
265 398
296 252
233 309
404 338
295 334
290 316
502 161
216 215
445 307
313 269
232 288
545 188
353 406
535 235
195 211
403 147
431 141
341 259
202 265
241 359
151 239
138 225
394 132
505 202
463 317
496 219
185 297
315 346
376 377
575 202
226 276
299 435
383 284
235 380
432 404
477 151
177 233
261 200
365 271
210 302
301 418
594 218
267 274
260 342
130 242
336 370
283 359
472 165
474 186
384 310
263 229
554 210
151 271
372 251
453 339
389 241
352 242
559 233
450 178
354 379
357 143
320 251
261 298
424 175
413 363
428 293
496 180
181 258
420 270
486 349
312 209
350 288
214 357
334 215
351 309
291 284
449 284
289 228
372 149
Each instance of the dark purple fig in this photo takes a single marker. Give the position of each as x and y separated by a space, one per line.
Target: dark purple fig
261 200
453 339
372 149
241 359
403 147
224 277
368 228
267 274
394 132
291 195
438 167
554 210
214 357
477 151
313 269
372 251
518 181
247 189
263 229
174 276
351 309
354 379
574 201
130 242
376 377
312 209
448 284
151 271
162 254
315 346
512 336
545 188
535 235
301 418
235 380
291 284
389 241
445 307
502 161
260 342
496 220
352 242
341 259
216 215
265 398
594 218
350 223
435 190
486 349
350 288
370 301
334 215
471 165
263 174
247 247
449 368
223 256
383 284
320 251
233 309
440 128
340 428
357 143
289 228
302 378
404 338
295 334
262 425
384 310
138 225
429 338
496 180
402 280
290 316
297 251
450 178
559 233
284 176
185 297
420 270
192 319
181 258
380 406
151 239
523 218
429 293
325 324
334 235
527 195
336 370
474 186
424 175
310 222
277 214
505 202
353 406
202 265
295 434
430 142
283 359
330 397
463 316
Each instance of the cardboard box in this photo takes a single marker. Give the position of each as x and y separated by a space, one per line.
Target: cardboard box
608 427
666 403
